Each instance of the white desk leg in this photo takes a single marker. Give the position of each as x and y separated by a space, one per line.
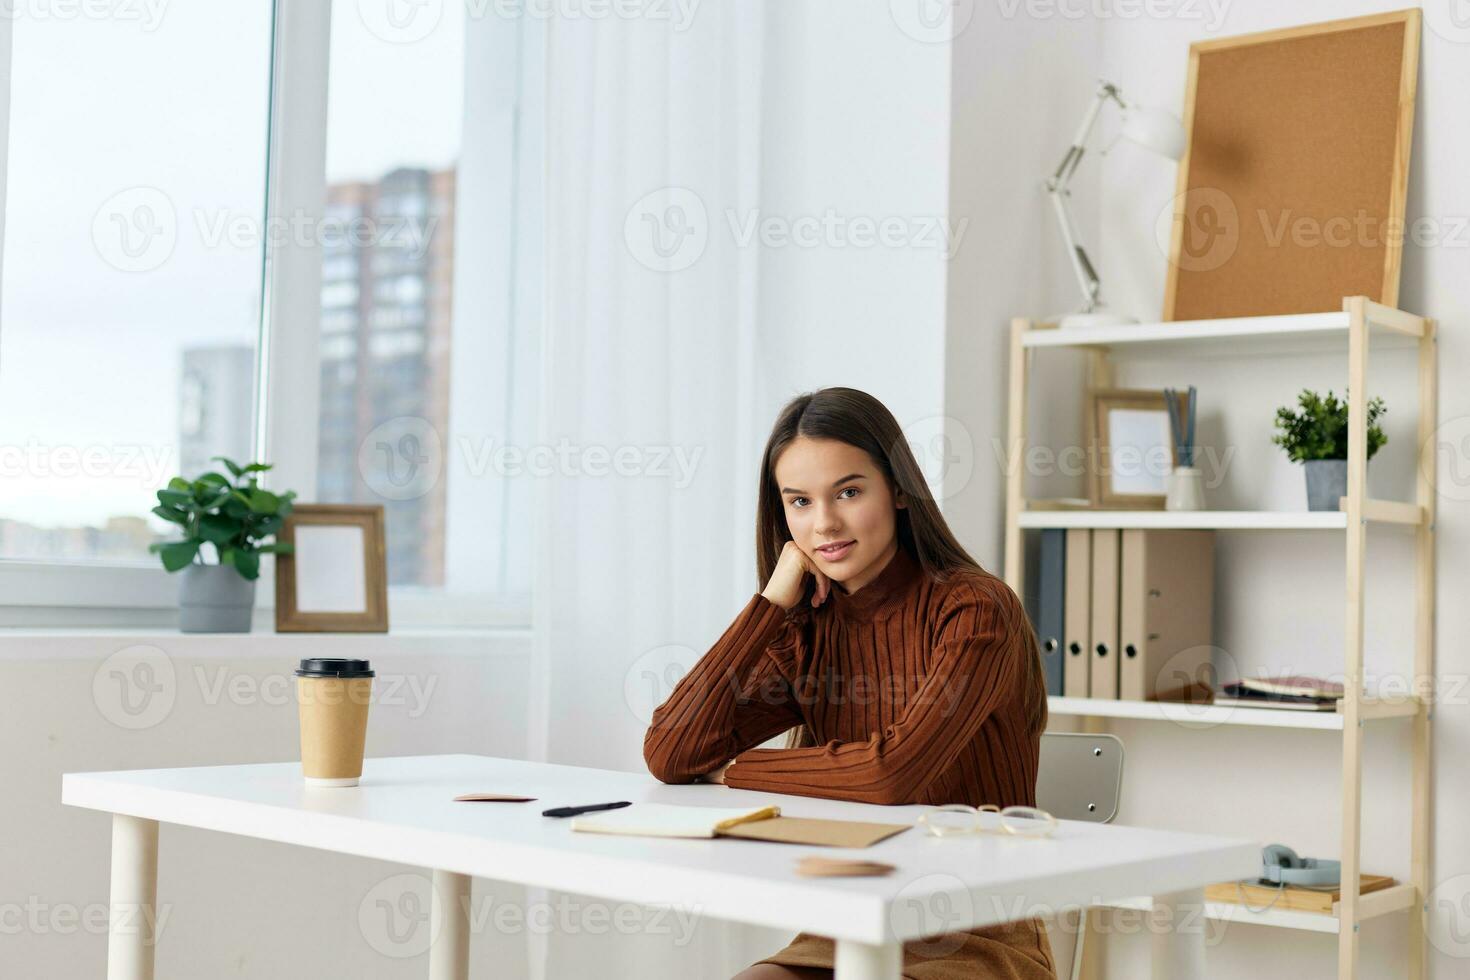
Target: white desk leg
449 922
1179 936
132 916
860 961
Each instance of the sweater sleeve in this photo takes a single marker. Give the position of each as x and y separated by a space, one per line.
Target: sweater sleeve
735 697
975 667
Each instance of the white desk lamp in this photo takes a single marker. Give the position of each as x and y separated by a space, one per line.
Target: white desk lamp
1153 129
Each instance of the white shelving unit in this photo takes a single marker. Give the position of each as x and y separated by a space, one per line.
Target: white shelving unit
1212 715
1361 323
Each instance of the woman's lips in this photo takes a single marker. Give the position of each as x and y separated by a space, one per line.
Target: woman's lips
837 554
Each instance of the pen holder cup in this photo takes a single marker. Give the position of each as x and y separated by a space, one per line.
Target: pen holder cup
1184 489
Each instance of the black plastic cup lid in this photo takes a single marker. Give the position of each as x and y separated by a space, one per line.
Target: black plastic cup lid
333 667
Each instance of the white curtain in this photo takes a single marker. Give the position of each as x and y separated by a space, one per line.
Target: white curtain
646 529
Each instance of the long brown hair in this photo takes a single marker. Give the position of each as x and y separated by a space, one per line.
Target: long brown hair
860 420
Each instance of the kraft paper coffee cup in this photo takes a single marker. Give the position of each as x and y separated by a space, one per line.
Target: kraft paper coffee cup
333 695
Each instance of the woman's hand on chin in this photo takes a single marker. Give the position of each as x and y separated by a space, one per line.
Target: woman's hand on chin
789 579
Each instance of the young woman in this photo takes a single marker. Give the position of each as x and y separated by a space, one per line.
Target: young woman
902 670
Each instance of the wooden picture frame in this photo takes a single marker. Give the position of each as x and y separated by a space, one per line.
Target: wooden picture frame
310 597
1292 187
1118 487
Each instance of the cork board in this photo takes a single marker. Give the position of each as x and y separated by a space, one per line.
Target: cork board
1291 189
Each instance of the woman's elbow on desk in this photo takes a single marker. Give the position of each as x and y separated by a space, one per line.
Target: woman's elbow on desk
664 760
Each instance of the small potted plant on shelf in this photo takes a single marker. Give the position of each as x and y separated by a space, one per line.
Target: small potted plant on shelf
234 515
1317 436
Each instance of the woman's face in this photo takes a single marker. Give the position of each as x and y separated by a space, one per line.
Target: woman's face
834 494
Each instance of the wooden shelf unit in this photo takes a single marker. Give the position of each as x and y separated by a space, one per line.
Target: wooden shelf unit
1359 323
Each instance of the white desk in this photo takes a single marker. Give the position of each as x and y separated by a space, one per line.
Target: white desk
403 812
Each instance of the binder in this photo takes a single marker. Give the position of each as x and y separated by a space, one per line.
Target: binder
1048 587
1076 624
1165 614
1103 634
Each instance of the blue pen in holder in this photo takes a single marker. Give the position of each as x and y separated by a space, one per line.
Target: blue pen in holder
1184 486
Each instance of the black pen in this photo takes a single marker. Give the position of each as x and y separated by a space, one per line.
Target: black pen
572 811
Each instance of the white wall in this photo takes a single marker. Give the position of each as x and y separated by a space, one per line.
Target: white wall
855 131
1279 599
1020 88
235 907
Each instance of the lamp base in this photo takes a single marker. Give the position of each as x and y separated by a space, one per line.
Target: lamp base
1097 318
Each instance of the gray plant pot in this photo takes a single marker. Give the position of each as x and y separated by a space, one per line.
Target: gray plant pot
1326 481
214 599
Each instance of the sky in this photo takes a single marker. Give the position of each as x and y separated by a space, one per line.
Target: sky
108 115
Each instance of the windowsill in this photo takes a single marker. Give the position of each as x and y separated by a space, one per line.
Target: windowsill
163 632
24 643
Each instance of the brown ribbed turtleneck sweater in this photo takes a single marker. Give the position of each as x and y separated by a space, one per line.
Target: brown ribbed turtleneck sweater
914 692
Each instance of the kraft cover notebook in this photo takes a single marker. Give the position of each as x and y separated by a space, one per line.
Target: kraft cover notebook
1103 682
1165 614
753 823
1077 614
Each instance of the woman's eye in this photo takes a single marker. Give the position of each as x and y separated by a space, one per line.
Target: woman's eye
798 501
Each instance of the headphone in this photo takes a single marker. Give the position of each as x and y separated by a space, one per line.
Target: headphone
1281 865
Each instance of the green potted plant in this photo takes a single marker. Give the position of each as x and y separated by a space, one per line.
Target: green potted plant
1317 436
235 515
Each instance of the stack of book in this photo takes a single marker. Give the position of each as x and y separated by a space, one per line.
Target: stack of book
1294 692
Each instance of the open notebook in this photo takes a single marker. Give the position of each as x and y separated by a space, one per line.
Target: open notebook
753 823
670 820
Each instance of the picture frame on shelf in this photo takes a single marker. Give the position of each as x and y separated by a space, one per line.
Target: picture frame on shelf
336 579
1130 451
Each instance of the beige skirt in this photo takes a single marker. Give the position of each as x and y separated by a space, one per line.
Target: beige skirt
1011 951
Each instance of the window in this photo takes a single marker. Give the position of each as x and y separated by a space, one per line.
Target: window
423 366
130 292
142 258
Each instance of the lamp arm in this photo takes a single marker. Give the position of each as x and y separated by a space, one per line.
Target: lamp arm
1057 188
